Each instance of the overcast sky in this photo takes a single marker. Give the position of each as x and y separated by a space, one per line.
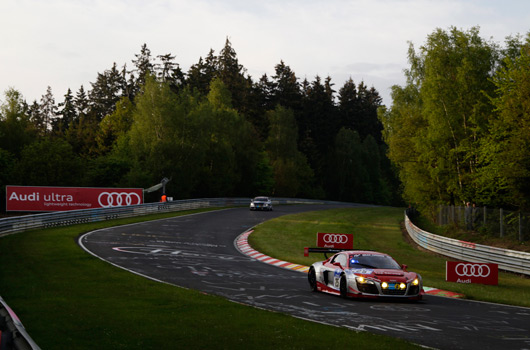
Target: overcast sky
65 43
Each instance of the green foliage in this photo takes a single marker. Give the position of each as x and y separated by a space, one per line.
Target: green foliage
447 137
164 140
457 70
114 125
504 153
292 174
16 130
208 130
49 162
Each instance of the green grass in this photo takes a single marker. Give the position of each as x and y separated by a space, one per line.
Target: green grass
68 299
376 229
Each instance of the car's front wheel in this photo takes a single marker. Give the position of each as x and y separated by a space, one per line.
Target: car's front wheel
312 278
343 287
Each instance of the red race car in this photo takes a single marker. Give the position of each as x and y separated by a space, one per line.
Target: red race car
368 274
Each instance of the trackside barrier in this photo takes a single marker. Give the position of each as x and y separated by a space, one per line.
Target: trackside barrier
13 335
508 260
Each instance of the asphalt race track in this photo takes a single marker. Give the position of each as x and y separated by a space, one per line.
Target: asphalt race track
197 251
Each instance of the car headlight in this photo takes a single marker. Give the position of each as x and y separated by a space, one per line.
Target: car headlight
416 282
363 280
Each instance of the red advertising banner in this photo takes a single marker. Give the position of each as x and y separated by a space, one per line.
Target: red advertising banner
335 240
466 272
31 198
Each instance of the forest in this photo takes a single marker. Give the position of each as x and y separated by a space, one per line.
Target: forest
459 130
213 130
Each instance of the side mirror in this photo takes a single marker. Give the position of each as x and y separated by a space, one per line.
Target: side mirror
404 267
337 264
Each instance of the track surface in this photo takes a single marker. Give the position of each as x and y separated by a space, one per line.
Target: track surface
197 251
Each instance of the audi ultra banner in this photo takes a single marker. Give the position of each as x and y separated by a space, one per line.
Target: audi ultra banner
30 198
467 272
335 240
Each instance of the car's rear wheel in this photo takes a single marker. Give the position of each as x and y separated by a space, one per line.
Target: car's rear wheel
343 286
312 278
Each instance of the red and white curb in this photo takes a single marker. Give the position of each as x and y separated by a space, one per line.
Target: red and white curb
243 246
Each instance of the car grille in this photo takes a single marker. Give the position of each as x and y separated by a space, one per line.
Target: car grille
394 292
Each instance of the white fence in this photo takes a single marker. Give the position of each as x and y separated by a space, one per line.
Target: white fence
508 260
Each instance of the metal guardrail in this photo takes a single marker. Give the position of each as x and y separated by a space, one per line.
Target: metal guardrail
508 260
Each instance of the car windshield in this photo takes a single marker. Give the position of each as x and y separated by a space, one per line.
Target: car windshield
374 261
261 199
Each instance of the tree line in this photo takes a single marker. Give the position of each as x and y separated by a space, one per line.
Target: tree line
213 130
459 130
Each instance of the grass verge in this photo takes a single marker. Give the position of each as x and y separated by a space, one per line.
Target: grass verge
376 229
68 299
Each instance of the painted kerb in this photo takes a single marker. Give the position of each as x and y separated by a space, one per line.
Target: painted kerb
508 260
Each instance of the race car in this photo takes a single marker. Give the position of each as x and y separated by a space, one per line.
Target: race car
365 274
261 203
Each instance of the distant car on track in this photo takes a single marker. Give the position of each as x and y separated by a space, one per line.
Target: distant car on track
365 274
261 203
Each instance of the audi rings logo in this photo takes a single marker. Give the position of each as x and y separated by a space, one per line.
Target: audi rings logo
472 270
335 238
116 199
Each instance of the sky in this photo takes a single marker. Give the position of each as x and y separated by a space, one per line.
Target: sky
65 43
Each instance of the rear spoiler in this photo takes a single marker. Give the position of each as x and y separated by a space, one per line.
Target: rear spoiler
322 250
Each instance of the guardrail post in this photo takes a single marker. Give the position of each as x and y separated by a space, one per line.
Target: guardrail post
501 222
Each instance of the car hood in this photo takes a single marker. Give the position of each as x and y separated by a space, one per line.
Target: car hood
383 273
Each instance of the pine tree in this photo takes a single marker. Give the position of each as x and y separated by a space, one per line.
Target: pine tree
169 71
68 114
233 76
318 125
201 74
348 105
143 66
48 111
81 102
286 88
259 102
106 92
